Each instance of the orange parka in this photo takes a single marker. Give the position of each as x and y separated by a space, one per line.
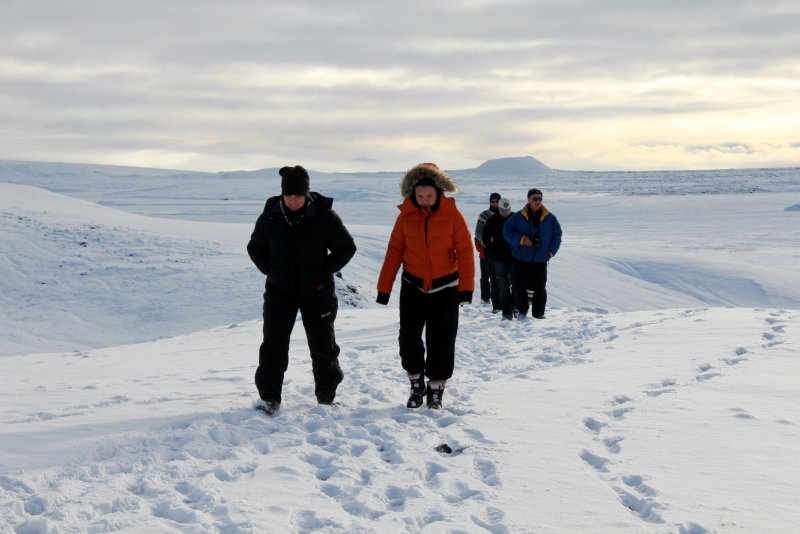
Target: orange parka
433 246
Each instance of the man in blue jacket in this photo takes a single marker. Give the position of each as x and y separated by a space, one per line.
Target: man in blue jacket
535 236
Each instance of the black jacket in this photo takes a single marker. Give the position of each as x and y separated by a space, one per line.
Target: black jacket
300 258
493 238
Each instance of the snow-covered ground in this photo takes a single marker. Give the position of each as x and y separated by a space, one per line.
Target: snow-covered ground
659 394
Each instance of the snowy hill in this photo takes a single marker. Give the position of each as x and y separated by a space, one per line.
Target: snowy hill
659 394
108 277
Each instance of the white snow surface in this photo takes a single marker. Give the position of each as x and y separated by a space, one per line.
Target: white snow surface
660 393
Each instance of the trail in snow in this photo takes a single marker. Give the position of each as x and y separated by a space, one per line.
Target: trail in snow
181 468
634 488
199 458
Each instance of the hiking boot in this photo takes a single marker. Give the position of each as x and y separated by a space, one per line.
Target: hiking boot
326 396
435 395
269 407
417 391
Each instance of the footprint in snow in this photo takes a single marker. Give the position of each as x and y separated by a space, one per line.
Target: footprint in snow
232 473
487 471
658 391
706 376
432 470
324 465
691 528
596 461
593 424
637 482
493 522
738 356
645 507
461 492
612 443
664 386
619 413
397 497
308 521
741 413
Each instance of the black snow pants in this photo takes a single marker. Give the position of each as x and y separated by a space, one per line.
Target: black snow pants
437 314
528 282
318 312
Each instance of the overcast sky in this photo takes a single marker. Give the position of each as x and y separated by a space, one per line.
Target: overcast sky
368 85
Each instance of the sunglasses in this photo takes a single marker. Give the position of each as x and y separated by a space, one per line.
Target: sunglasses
536 199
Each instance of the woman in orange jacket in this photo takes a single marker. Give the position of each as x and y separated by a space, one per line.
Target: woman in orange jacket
431 240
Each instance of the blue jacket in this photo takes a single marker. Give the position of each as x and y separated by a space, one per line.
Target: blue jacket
548 234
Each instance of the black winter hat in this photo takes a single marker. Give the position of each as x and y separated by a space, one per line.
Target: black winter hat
294 181
534 191
494 196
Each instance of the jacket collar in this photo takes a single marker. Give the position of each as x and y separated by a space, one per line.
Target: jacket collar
316 202
526 212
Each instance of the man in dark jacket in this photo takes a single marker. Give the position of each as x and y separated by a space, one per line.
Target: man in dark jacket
500 253
489 293
299 242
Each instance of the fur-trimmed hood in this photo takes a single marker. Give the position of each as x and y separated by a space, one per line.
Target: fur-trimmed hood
430 171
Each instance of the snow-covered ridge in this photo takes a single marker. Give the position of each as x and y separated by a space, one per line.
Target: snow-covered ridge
108 276
80 275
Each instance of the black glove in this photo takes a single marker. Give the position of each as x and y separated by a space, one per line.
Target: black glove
383 298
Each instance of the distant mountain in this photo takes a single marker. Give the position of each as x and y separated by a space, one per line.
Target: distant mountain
521 166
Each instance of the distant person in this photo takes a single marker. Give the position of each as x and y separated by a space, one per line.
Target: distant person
489 293
535 236
431 241
299 242
500 252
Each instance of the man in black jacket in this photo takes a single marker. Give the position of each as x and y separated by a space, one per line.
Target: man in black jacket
299 242
500 253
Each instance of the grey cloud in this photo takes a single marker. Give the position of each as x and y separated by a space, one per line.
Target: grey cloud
234 77
728 148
